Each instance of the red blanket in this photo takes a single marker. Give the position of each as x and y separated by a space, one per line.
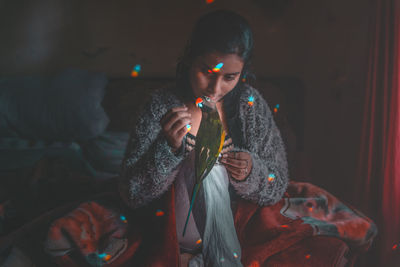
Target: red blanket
106 233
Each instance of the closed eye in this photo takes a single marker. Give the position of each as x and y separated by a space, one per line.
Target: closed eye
230 77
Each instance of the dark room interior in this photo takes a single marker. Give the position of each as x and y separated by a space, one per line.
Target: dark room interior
74 76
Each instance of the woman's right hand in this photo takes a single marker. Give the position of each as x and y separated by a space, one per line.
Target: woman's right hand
173 126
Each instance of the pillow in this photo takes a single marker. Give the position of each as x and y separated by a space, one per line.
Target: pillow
66 107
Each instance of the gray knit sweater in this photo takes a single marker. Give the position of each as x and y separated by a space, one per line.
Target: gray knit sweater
149 161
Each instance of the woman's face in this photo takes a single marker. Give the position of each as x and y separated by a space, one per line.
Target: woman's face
213 83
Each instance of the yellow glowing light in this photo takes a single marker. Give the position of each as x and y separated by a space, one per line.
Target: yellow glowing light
134 73
270 179
250 104
107 257
198 241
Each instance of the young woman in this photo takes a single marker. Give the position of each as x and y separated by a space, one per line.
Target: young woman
160 154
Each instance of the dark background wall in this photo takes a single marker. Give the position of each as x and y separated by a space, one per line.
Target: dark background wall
324 43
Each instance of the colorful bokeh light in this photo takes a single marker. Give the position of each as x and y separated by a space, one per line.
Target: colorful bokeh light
250 101
136 70
123 218
271 177
199 102
159 213
105 256
218 67
276 108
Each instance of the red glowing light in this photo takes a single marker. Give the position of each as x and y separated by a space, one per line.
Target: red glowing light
254 264
159 213
250 104
199 100
134 73
308 256
209 1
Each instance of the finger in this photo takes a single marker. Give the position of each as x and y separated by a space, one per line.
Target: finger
170 113
237 163
180 124
182 132
237 176
228 146
234 170
239 155
175 117
226 149
227 142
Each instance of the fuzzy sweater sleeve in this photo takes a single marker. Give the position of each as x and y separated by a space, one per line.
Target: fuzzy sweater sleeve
149 161
264 143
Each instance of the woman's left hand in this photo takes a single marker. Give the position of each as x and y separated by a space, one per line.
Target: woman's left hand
238 164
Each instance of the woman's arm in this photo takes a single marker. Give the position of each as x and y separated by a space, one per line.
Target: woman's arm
149 161
264 143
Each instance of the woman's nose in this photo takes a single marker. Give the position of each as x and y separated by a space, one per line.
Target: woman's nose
215 86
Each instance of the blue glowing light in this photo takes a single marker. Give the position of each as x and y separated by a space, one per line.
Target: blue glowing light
219 65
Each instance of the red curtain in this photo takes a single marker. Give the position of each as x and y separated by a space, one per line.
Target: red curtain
378 180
